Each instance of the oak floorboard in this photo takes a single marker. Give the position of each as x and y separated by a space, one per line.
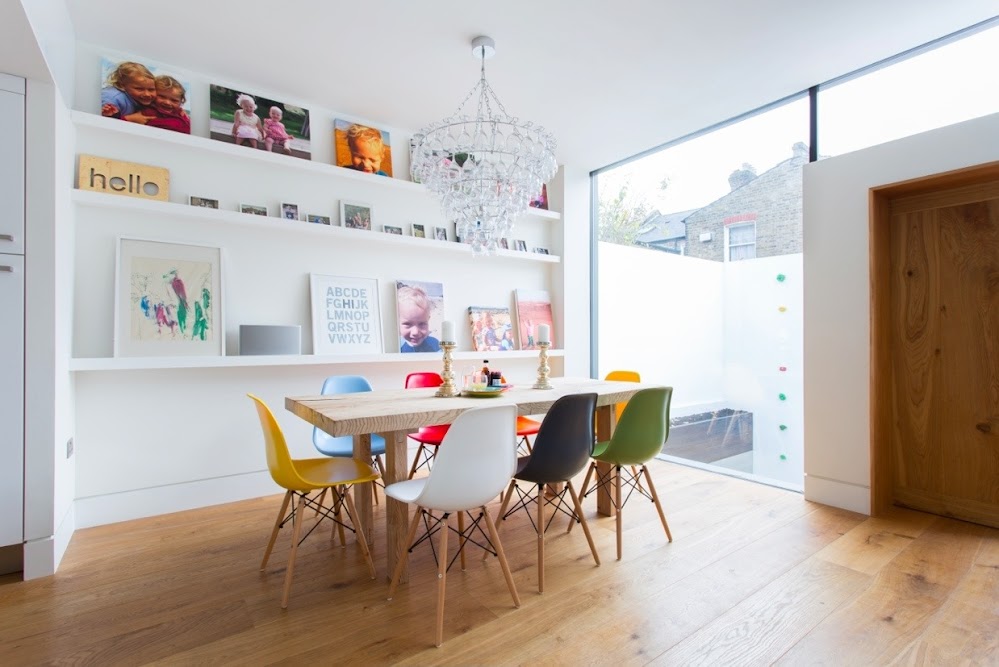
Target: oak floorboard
900 603
753 566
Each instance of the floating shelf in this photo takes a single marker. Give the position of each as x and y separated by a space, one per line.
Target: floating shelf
91 199
92 121
235 361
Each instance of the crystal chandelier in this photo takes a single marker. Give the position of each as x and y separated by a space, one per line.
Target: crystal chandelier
485 169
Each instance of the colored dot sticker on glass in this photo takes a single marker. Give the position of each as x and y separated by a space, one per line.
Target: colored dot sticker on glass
781 277
782 309
783 457
782 369
783 427
782 397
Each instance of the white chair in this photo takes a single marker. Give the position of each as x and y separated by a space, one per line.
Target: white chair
473 465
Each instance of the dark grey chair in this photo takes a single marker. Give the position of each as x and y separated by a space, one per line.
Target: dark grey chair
561 449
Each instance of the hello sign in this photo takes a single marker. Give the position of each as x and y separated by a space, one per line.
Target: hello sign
114 177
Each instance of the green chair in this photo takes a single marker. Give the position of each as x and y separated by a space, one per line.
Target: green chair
639 436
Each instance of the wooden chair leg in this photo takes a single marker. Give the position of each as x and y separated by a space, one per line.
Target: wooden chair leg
617 503
359 527
655 499
541 538
462 540
494 536
337 505
400 563
277 527
295 533
638 477
320 501
586 483
441 581
502 511
582 520
416 461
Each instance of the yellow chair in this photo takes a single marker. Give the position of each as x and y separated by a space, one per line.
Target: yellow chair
625 376
300 477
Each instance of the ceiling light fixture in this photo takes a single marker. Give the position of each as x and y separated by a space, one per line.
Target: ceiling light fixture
486 169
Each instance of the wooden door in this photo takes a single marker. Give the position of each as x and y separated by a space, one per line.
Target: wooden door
944 351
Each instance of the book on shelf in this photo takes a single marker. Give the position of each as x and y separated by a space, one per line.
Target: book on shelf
534 307
491 328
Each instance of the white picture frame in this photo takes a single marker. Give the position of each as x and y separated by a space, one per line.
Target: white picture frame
169 299
346 317
356 215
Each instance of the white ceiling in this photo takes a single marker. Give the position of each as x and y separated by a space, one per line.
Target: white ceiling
608 79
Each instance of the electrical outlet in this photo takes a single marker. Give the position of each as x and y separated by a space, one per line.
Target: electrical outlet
69 448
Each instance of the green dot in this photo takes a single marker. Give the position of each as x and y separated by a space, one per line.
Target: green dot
783 457
783 427
781 277
782 397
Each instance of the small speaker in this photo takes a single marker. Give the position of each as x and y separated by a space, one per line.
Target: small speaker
270 339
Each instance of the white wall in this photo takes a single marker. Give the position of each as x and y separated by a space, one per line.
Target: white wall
715 332
837 295
150 442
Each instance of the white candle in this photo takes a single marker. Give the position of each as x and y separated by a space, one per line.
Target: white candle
447 332
544 333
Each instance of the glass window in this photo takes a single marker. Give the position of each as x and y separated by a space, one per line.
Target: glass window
741 241
951 83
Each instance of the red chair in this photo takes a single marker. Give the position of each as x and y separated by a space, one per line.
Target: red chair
429 437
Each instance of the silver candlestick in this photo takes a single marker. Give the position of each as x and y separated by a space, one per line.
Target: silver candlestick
543 368
447 390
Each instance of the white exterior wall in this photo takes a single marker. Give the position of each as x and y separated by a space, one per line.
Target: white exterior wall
837 295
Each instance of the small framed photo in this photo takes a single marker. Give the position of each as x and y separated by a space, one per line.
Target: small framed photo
318 219
204 202
541 251
253 209
520 245
440 233
419 231
355 215
392 229
503 244
289 211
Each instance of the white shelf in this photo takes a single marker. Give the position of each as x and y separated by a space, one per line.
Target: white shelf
92 199
156 363
92 121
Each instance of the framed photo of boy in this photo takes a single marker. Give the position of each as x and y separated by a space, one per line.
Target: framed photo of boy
346 318
289 211
168 300
362 148
355 215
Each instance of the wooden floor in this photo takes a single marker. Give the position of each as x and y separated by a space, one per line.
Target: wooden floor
755 575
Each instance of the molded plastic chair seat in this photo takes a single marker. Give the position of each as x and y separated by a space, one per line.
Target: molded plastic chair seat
299 478
471 468
560 452
428 436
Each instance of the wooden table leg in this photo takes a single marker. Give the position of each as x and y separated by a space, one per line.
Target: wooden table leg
362 492
396 513
606 416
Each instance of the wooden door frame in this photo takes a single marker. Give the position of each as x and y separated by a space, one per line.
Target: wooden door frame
879 237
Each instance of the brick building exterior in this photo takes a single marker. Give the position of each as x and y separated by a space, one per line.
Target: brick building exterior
771 200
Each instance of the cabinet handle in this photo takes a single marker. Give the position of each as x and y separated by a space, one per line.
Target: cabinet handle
7 237
6 269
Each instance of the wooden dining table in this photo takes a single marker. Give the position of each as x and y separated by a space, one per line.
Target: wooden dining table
394 413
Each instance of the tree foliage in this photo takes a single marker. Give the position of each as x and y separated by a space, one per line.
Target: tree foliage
622 213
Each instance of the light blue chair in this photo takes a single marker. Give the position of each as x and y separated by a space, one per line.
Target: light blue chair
344 444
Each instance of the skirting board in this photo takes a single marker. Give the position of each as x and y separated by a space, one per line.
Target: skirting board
42 557
127 505
833 492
